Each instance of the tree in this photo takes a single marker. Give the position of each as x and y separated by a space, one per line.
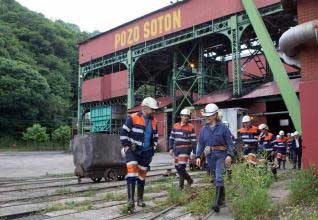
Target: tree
23 95
38 69
36 134
62 134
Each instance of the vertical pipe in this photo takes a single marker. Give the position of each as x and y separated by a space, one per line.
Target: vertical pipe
201 73
79 124
131 81
174 81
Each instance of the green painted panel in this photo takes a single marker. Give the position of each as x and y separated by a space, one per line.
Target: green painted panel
100 119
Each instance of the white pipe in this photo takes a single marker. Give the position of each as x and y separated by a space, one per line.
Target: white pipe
290 41
298 35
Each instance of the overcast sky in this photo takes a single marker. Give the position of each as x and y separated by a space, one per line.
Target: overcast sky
91 15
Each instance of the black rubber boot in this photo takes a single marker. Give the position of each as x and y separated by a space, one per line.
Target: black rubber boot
140 196
279 163
188 178
181 181
222 200
131 197
284 164
217 202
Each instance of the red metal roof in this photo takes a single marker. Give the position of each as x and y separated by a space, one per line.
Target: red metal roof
215 97
264 90
270 89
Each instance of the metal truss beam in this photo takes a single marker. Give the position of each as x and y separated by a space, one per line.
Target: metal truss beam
276 65
196 32
116 101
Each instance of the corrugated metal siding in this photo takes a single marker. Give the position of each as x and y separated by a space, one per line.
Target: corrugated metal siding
115 84
162 140
106 87
119 84
92 90
204 10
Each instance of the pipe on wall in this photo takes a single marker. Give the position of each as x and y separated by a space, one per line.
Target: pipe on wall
291 40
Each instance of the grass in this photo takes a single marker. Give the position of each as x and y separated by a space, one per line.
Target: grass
11 144
90 192
248 197
70 205
304 187
63 191
155 188
59 175
202 202
303 199
114 196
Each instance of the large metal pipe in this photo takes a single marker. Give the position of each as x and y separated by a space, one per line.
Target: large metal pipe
290 41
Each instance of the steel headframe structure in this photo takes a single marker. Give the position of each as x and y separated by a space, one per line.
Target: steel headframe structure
195 64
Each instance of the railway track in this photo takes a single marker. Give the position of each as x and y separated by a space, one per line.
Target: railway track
24 203
57 183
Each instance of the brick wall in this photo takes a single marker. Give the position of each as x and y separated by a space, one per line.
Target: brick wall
307 11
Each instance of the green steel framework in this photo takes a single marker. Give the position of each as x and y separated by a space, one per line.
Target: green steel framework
231 26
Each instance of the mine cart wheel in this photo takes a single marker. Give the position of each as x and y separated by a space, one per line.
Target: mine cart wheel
97 179
111 174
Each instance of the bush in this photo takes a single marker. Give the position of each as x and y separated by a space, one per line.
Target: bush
62 134
249 197
304 187
36 134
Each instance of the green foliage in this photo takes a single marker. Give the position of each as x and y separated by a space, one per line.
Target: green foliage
36 134
249 197
109 196
300 212
38 69
304 187
202 202
62 134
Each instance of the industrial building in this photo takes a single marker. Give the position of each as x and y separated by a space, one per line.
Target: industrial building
195 52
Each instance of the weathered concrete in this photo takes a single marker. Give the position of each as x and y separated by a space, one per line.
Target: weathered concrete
26 164
34 164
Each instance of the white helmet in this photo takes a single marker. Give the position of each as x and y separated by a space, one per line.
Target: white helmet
281 133
296 133
150 102
210 109
246 118
185 111
263 126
